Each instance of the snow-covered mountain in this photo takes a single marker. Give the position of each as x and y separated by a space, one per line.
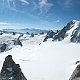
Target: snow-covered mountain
70 33
50 60
75 37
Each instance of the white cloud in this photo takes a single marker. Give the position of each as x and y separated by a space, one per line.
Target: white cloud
3 23
68 3
24 1
35 6
11 4
44 6
57 21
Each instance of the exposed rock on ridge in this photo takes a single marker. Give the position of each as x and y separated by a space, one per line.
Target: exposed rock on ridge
76 74
50 34
76 35
62 33
11 70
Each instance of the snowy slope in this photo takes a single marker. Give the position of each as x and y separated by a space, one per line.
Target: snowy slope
45 61
48 61
66 33
8 40
71 30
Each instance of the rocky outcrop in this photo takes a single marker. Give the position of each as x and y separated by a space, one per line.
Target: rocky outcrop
32 35
9 44
76 74
3 47
17 42
27 33
1 33
62 33
76 35
50 34
11 70
14 33
41 33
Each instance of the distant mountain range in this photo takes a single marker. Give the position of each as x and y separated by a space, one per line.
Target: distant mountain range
35 31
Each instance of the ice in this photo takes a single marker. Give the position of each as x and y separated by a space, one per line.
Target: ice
48 61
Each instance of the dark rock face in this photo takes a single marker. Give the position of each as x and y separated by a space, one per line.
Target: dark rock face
14 33
3 47
7 45
49 35
41 33
76 35
11 70
1 33
17 42
76 74
27 33
32 35
62 33
20 35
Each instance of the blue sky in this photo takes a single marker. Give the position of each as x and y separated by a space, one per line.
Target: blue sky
42 14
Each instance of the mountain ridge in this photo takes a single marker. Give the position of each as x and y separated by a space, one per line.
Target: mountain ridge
25 30
66 33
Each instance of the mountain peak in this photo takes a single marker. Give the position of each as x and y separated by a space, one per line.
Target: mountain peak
70 32
75 21
11 70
